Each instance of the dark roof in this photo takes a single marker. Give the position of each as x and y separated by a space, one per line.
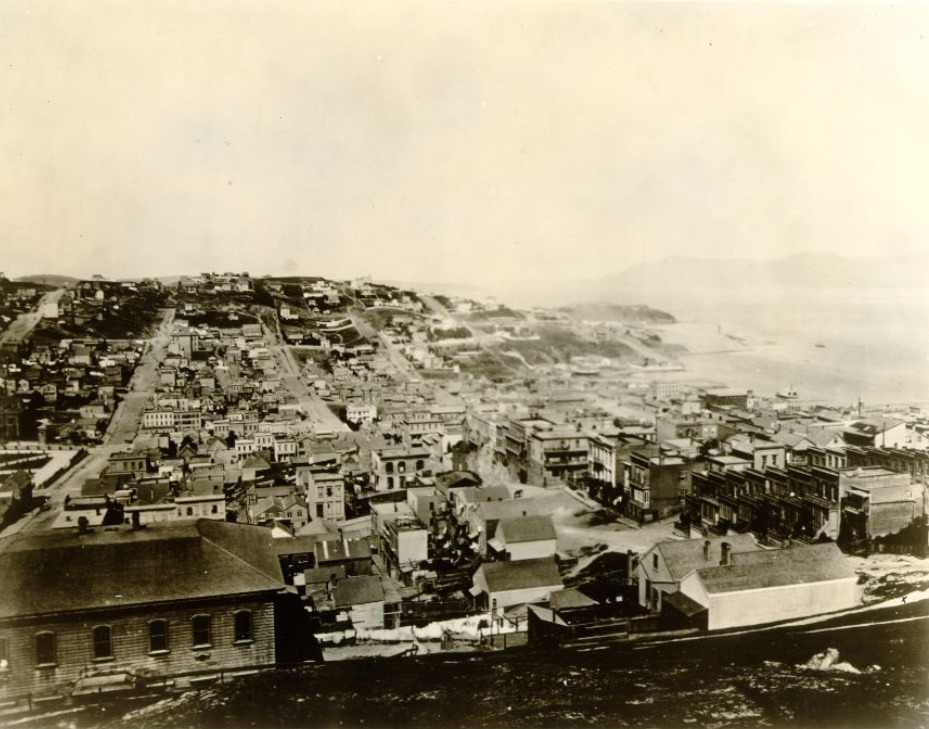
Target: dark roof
321 575
358 591
481 494
777 567
520 575
257 462
682 603
304 544
340 550
681 556
94 487
569 598
527 529
62 571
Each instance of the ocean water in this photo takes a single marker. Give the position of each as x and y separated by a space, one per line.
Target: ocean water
873 345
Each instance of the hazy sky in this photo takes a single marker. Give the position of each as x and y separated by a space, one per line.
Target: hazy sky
455 141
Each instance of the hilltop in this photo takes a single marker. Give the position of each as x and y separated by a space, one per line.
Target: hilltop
49 279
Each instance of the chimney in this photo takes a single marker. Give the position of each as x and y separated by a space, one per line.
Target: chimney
706 549
726 553
136 522
82 525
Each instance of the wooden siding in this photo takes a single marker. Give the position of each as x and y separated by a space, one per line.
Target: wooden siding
130 647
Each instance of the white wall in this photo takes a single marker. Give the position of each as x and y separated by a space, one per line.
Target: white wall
774 604
368 615
531 550
508 598
412 546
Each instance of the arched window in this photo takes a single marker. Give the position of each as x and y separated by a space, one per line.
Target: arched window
46 649
389 467
202 627
103 642
243 626
158 636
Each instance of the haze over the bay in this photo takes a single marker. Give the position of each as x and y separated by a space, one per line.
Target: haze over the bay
464 142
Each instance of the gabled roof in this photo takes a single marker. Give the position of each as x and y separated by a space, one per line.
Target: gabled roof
682 556
525 574
476 495
454 479
791 440
526 529
873 426
569 598
778 567
63 571
257 462
492 510
823 436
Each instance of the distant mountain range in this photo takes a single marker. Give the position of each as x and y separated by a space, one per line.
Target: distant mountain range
802 271
681 278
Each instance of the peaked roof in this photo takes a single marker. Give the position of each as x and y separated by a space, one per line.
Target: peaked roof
63 571
257 462
777 567
682 556
479 494
526 529
823 436
527 573
569 598
508 509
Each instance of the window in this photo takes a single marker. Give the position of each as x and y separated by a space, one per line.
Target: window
420 464
390 482
103 642
389 467
319 511
46 649
158 636
655 561
190 511
215 509
202 630
401 467
243 626
4 655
